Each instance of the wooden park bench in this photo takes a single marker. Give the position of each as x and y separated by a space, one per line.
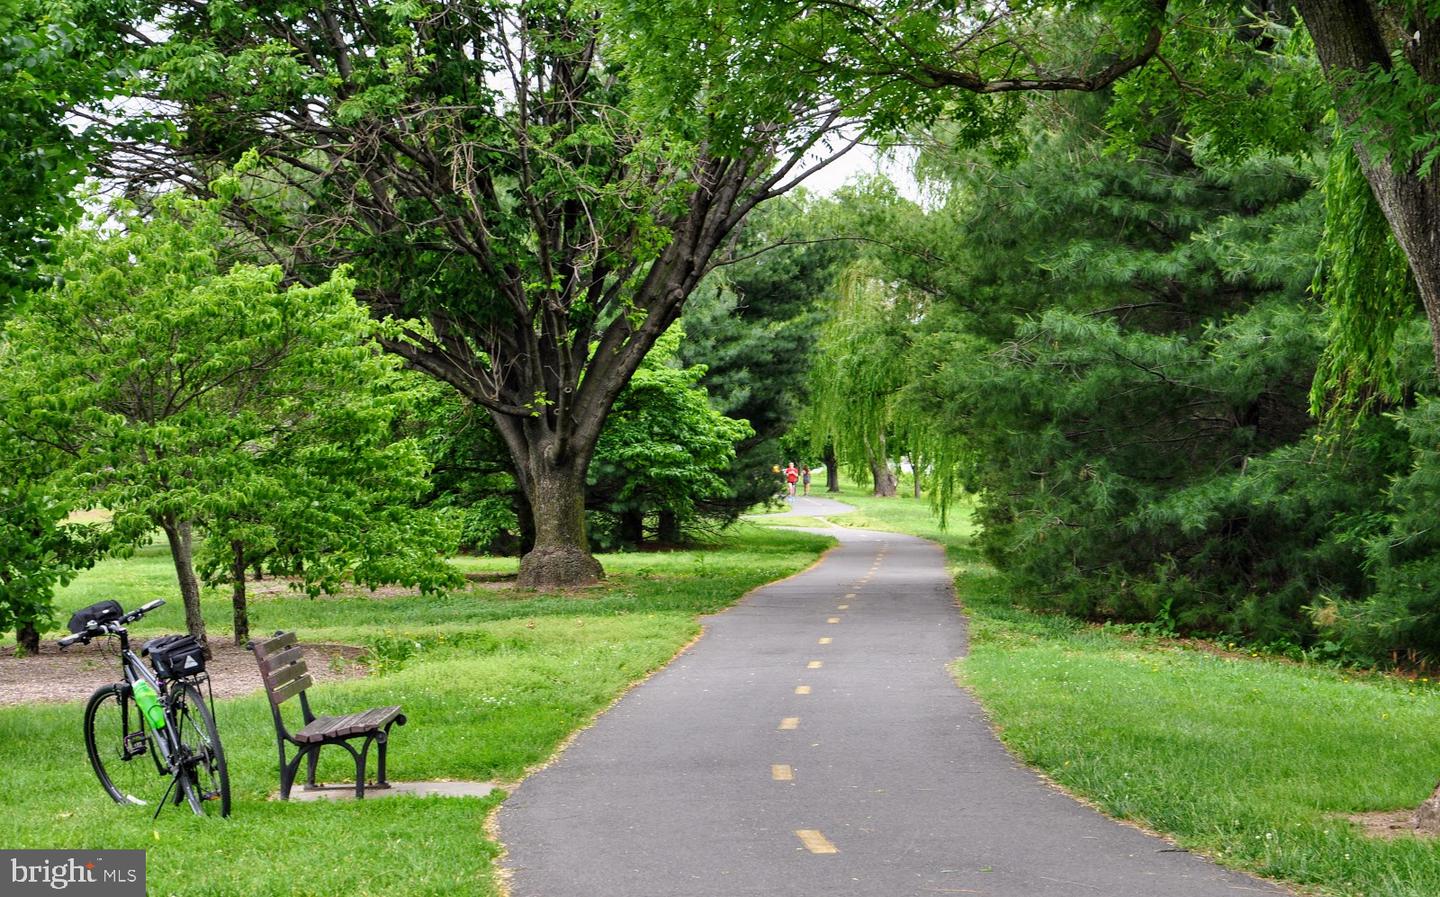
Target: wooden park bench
285 675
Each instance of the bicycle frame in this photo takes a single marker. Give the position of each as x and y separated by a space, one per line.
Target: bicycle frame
134 670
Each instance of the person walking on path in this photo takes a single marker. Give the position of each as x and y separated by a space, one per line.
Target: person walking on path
792 476
805 478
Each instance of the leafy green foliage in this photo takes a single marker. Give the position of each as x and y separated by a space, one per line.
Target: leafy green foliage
1366 281
664 451
39 550
173 389
54 56
755 325
502 176
1116 357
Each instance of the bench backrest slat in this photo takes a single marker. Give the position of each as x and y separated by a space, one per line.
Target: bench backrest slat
286 674
279 659
290 689
278 643
282 667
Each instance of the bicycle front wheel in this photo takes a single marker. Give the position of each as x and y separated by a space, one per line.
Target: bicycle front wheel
205 777
118 741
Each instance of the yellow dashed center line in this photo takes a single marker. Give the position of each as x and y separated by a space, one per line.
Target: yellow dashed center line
802 689
781 772
849 595
826 640
789 722
843 607
815 842
833 620
814 664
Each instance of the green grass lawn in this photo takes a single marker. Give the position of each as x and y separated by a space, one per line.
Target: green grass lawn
491 680
1253 761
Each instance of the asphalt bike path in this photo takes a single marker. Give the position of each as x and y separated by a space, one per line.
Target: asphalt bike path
813 742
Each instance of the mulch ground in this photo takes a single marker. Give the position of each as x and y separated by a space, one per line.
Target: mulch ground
73 673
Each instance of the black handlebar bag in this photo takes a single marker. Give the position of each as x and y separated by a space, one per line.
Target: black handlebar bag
98 613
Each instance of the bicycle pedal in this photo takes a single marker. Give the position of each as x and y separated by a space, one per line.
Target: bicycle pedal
134 745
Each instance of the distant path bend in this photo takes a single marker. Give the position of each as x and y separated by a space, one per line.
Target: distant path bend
813 744
813 506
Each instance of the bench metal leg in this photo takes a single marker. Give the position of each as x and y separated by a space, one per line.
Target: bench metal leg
360 767
289 770
310 769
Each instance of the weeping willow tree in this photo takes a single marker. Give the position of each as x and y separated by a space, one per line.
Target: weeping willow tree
1366 282
862 362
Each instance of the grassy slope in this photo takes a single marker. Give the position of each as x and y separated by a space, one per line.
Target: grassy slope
1250 760
499 680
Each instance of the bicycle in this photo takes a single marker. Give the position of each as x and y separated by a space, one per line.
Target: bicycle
152 723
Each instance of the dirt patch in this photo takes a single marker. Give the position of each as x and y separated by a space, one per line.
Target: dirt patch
1388 824
288 587
73 673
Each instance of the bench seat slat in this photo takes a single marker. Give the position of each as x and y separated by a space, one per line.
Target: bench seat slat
330 727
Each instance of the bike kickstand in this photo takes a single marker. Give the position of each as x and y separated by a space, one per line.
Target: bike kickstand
164 798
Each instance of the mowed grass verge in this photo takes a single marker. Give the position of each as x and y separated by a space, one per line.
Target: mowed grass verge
1256 762
492 680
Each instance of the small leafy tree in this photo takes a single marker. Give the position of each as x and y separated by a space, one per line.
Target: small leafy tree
172 385
664 452
332 497
39 550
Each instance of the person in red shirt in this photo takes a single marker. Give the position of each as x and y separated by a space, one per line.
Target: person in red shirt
792 476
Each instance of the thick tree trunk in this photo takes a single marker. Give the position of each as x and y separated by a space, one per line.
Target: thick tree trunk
561 557
669 533
178 534
886 484
915 472
237 594
1412 206
527 525
832 469
27 637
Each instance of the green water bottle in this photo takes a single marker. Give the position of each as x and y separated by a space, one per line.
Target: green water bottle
149 703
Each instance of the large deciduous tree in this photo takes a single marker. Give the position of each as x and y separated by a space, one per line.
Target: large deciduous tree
536 187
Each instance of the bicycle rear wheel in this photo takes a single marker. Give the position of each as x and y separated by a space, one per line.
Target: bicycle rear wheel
120 745
205 775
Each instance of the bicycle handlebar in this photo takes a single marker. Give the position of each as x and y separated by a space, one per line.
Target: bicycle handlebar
110 628
141 611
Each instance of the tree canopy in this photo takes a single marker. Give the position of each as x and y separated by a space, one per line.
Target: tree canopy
177 391
525 185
